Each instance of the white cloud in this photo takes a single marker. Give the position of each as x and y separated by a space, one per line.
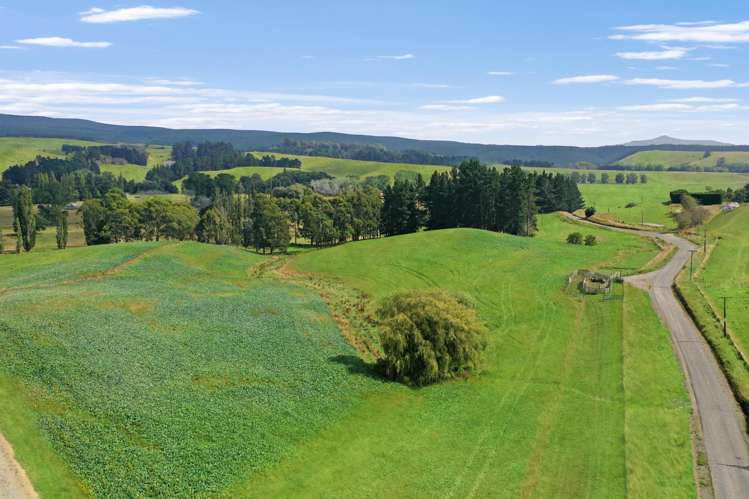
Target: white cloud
674 53
696 32
445 107
175 83
666 68
587 79
704 100
402 57
501 73
681 84
489 99
101 16
681 107
718 65
57 41
63 95
10 47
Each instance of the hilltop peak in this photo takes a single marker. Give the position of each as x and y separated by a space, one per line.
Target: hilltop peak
666 140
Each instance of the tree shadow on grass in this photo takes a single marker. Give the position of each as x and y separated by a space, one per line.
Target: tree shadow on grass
357 366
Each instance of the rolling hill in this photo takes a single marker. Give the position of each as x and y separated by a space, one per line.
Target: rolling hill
35 126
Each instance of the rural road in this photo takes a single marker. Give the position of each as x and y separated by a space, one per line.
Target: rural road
14 484
723 424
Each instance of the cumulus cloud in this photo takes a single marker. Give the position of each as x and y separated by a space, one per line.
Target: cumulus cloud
681 32
661 55
58 41
586 79
144 12
682 84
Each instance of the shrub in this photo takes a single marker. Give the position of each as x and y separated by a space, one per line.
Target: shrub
575 238
429 336
590 211
631 205
590 240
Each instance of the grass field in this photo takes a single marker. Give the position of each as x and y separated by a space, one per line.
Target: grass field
611 199
338 167
20 150
262 397
550 414
726 272
669 159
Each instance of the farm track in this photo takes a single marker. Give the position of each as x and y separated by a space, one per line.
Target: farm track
14 484
723 425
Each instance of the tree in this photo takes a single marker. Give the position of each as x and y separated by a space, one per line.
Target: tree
590 211
429 336
575 238
591 178
643 179
692 214
94 220
61 224
214 226
180 222
604 178
25 218
270 225
154 217
591 240
619 178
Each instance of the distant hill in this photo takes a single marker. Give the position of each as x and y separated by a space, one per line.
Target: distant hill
37 126
665 140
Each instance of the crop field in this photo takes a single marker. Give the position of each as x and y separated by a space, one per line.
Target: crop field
669 159
162 369
19 150
561 391
157 155
262 395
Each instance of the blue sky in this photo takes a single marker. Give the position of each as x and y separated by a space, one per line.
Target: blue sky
533 72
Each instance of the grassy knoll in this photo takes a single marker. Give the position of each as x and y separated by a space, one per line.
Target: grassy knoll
549 414
157 155
19 150
162 369
669 159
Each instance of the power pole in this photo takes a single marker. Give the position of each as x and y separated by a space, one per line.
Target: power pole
705 250
691 263
725 316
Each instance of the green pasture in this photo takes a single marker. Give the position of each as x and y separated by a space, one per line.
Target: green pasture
20 150
550 413
670 159
261 395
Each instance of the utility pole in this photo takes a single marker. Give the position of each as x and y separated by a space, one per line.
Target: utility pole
691 263
705 250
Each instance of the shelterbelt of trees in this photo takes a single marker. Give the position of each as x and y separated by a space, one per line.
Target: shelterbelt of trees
267 214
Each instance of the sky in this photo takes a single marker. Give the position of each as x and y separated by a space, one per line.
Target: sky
534 72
